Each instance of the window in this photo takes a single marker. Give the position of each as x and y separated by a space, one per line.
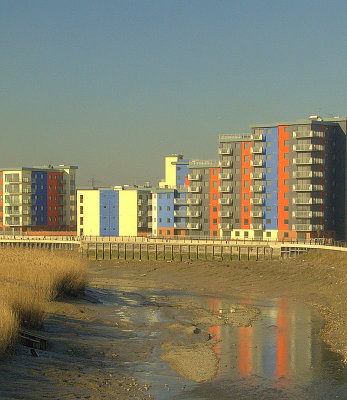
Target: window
159 208
246 196
168 208
159 219
268 157
286 142
206 196
246 146
168 232
286 195
160 196
246 158
214 221
268 183
286 222
245 209
237 196
268 195
246 184
169 196
286 182
237 233
178 178
214 196
285 234
238 158
245 221
168 220
237 220
268 144
286 208
246 171
286 129
268 221
237 170
81 209
286 169
178 168
268 170
81 220
268 208
238 146
215 171
246 234
160 231
268 234
214 184
205 220
214 209
268 131
286 156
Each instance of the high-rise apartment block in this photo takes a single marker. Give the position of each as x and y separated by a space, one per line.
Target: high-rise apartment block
37 199
281 181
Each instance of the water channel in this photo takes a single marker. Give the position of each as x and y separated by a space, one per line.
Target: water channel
280 356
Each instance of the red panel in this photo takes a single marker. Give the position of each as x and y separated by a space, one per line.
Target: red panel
282 176
53 205
214 179
246 185
166 232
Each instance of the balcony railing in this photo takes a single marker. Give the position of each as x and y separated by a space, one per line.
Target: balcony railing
307 188
225 150
257 163
225 214
308 147
257 175
258 150
194 201
194 226
257 201
307 200
307 134
257 188
225 226
307 160
257 136
194 214
257 214
195 189
307 214
179 213
194 177
257 226
225 176
307 174
181 225
181 201
226 164
225 189
225 201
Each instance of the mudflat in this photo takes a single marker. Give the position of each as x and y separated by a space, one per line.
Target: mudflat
92 348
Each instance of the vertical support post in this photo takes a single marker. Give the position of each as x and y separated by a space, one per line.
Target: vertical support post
257 253
140 255
125 251
118 250
212 251
231 253
110 249
164 250
147 251
180 245
96 250
239 252
103 250
133 251
188 251
264 252
271 254
197 251
248 253
172 252
156 251
221 253
205 251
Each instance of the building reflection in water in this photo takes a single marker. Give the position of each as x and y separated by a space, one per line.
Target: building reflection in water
278 345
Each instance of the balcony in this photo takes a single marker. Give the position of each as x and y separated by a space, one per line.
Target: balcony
225 164
180 225
307 174
257 175
26 180
181 201
225 150
27 190
193 226
179 213
257 201
307 188
308 147
257 136
225 201
225 214
11 211
257 226
194 201
258 150
257 214
225 177
307 160
307 134
258 188
195 189
307 200
302 227
12 221
61 192
194 177
150 213
26 201
225 189
307 214
225 226
12 189
257 163
194 214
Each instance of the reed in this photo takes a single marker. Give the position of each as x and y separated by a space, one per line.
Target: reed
28 280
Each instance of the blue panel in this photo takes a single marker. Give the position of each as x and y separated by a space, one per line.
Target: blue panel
165 215
181 173
109 213
39 197
271 150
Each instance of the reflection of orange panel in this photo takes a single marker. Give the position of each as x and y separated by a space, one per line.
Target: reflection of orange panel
282 341
245 351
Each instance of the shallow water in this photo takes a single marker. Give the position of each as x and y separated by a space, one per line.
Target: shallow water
279 357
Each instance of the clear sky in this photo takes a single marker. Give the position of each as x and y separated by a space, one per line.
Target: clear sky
112 86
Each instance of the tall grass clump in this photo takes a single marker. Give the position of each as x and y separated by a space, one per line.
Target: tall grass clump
28 280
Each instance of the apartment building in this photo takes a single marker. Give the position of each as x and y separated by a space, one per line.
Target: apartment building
115 211
176 172
35 199
203 200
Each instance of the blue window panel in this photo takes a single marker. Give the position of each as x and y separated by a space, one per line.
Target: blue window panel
39 197
109 213
163 202
271 176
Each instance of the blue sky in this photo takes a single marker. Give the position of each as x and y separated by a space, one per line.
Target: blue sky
113 86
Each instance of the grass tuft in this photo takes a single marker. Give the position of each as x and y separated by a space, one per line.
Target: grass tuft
28 280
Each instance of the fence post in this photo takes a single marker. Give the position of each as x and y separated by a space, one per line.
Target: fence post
156 251
221 253
197 251
239 252
212 251
125 251
172 252
133 251
140 255
189 250
248 253
205 251
231 253
103 250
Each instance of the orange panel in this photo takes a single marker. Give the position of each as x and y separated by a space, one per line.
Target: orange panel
246 180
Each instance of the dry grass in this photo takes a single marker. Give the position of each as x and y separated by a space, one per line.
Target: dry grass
28 280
